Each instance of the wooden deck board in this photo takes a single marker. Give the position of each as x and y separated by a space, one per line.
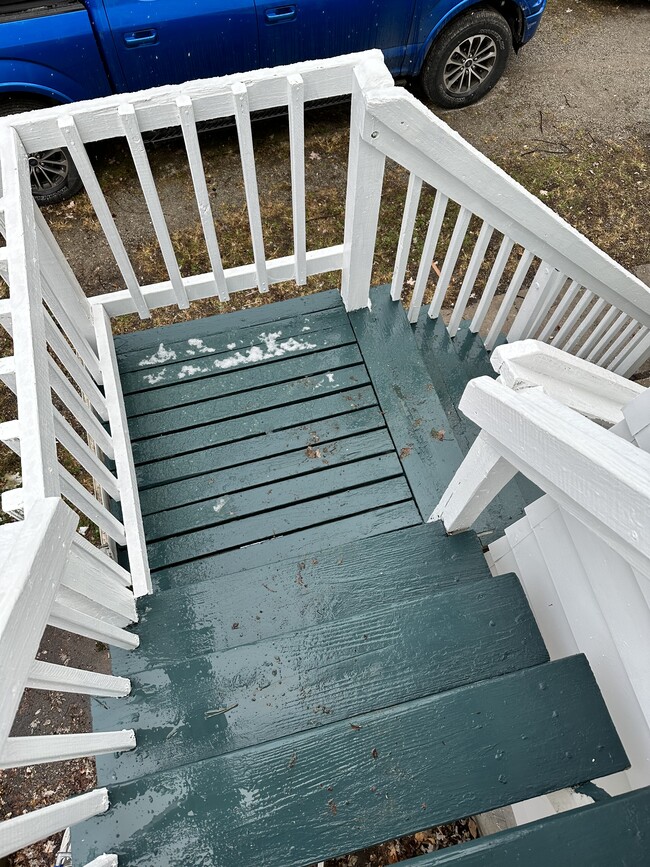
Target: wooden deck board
335 789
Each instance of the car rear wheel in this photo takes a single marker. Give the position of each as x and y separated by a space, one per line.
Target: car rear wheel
467 59
52 173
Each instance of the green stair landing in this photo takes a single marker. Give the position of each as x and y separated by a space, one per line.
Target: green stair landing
320 669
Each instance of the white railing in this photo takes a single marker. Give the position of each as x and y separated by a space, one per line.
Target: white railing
51 576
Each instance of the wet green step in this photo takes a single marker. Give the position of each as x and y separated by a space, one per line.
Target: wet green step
611 833
414 415
339 788
317 586
378 658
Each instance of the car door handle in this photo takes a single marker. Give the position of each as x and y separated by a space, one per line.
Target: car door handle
140 37
280 13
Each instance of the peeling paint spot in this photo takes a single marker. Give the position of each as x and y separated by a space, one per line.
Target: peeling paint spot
159 357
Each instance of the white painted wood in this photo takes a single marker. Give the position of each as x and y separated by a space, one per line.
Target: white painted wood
22 831
623 340
39 466
75 621
509 299
71 137
60 678
556 284
102 587
449 263
130 500
363 198
443 159
405 240
104 861
10 434
83 604
195 161
296 96
478 255
428 254
558 449
612 332
13 503
73 365
637 419
548 331
628 362
586 323
561 338
63 388
29 581
532 304
156 108
238 279
96 564
75 492
578 384
500 262
38 749
247 155
593 340
85 456
131 129
477 481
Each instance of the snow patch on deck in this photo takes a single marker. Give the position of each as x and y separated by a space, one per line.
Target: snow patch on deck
159 357
153 378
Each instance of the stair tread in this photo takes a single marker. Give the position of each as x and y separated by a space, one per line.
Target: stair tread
380 657
336 789
322 582
615 831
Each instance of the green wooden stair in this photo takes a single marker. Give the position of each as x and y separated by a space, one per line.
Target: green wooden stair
319 668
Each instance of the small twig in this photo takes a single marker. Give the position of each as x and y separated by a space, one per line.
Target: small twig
219 711
541 122
266 587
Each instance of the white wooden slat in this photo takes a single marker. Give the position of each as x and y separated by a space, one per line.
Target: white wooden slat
560 311
509 299
73 365
238 280
22 831
610 333
296 98
632 357
428 254
212 98
85 456
75 492
130 500
39 468
131 130
405 240
102 588
30 577
247 155
83 604
623 340
500 262
197 171
556 284
72 139
449 264
478 255
95 564
534 300
558 449
412 136
83 415
38 749
585 324
592 340
480 477
91 627
10 434
60 678
561 338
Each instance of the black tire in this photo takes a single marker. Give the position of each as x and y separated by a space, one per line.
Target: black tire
54 176
467 59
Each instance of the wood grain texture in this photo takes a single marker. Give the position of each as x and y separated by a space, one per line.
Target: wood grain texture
310 678
614 831
413 413
317 586
337 789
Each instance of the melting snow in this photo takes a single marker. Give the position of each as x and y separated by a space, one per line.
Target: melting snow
153 378
197 343
232 346
248 797
190 370
330 377
159 357
221 503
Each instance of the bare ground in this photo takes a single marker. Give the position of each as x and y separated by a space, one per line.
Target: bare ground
570 120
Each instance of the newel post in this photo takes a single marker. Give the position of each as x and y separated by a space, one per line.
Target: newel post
362 201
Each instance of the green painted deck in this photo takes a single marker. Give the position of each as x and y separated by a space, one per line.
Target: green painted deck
319 668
